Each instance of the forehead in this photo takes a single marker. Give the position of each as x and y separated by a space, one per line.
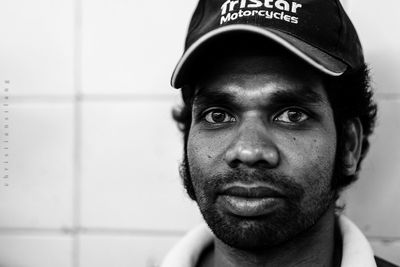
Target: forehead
257 77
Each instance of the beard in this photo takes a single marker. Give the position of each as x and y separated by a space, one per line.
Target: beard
297 214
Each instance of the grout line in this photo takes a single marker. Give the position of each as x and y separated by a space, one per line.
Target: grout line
35 231
131 232
91 231
129 97
92 98
124 97
125 232
76 192
383 239
56 99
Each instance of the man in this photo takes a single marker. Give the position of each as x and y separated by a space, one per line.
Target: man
276 118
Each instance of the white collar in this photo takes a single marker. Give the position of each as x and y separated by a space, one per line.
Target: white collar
356 250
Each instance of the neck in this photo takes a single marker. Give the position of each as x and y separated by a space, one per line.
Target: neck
313 247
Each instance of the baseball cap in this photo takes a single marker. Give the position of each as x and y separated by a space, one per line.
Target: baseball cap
317 31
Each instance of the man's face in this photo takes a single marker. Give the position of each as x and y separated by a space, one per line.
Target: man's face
261 149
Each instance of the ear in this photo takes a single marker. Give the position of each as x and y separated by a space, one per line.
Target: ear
352 144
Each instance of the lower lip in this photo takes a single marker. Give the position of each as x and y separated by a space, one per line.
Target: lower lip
249 207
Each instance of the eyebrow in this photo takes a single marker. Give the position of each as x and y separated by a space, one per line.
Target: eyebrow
303 95
300 96
214 97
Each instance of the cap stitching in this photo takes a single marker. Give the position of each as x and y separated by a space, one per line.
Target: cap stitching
306 41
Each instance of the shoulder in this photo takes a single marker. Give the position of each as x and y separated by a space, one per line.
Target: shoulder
382 263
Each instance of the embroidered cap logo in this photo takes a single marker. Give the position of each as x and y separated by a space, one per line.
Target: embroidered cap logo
269 9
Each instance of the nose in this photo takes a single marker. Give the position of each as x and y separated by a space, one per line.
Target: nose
252 146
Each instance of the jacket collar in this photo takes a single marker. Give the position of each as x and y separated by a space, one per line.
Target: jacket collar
357 251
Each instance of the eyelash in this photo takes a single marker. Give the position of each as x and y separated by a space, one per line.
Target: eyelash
203 115
293 109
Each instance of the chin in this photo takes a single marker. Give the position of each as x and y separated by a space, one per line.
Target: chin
258 233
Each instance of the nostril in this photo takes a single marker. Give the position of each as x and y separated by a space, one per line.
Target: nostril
234 164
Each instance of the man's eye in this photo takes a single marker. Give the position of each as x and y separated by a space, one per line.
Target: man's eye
291 116
218 116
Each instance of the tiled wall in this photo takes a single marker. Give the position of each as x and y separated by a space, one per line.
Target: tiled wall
93 152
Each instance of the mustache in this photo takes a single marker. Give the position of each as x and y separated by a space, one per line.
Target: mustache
285 184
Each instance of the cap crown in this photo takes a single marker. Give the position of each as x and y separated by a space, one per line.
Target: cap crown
321 23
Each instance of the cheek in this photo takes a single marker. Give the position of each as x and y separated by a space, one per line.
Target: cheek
311 163
201 153
311 156
205 149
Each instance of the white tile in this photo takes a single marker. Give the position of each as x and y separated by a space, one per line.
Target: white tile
131 152
387 250
37 44
35 251
373 201
121 251
376 23
40 163
132 47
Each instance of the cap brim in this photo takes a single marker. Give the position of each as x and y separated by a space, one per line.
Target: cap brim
312 55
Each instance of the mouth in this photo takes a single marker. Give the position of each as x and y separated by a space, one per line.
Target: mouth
250 200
